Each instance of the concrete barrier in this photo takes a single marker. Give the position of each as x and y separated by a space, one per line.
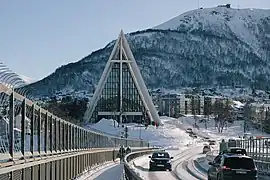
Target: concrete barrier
129 171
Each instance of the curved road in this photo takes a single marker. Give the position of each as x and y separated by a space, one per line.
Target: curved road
181 165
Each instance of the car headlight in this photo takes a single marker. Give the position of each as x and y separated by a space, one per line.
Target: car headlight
152 161
169 161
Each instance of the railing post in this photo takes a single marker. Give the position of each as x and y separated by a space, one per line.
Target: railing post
60 136
76 137
68 137
64 136
46 133
71 137
11 125
80 138
51 134
39 131
55 135
23 113
32 130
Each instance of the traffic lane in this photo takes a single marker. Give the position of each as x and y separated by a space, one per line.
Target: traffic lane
142 166
181 169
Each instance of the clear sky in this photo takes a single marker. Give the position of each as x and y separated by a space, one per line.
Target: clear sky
37 36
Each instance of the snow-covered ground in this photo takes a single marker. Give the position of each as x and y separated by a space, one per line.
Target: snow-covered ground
172 131
167 135
233 130
171 135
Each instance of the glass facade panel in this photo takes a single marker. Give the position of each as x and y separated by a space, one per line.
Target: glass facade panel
110 97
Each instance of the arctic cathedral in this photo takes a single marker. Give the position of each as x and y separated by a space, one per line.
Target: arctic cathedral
121 93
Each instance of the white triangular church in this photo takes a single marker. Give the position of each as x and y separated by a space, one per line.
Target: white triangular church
121 93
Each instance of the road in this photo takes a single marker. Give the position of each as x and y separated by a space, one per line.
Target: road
182 162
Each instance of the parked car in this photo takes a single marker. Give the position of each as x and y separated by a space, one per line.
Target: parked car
189 130
230 166
206 149
212 142
193 135
160 160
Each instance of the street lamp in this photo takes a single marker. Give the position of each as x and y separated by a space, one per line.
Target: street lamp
169 105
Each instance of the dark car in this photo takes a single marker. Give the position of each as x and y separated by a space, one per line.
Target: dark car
232 166
237 150
160 160
206 149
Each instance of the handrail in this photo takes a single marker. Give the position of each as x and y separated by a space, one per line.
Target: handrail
31 132
129 171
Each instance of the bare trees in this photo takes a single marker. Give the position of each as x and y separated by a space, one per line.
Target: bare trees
207 110
223 113
195 106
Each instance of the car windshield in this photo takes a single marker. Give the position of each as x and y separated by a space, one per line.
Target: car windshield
239 163
160 155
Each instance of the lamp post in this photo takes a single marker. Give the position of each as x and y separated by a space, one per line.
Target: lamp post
169 105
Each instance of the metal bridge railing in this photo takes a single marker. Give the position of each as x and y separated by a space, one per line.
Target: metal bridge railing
28 131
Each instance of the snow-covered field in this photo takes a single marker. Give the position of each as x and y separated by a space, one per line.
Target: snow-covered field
170 135
233 130
167 135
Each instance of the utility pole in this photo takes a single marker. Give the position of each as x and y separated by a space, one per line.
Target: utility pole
262 119
169 106
126 134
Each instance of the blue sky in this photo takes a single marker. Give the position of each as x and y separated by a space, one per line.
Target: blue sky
37 36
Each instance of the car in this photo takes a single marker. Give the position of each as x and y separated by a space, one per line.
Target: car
193 135
206 149
237 150
232 166
160 160
189 130
212 142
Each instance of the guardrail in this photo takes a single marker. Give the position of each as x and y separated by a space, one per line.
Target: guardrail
130 173
30 136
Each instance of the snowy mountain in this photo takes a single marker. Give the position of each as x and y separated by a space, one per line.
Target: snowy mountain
204 47
26 79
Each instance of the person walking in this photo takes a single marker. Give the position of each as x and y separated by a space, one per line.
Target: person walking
223 147
122 153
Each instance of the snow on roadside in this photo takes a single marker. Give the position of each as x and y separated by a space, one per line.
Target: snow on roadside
166 135
233 130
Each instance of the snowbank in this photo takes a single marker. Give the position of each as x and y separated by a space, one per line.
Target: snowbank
167 135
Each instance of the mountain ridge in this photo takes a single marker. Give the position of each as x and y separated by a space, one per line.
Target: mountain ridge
194 52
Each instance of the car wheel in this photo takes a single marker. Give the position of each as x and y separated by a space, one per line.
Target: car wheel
170 169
